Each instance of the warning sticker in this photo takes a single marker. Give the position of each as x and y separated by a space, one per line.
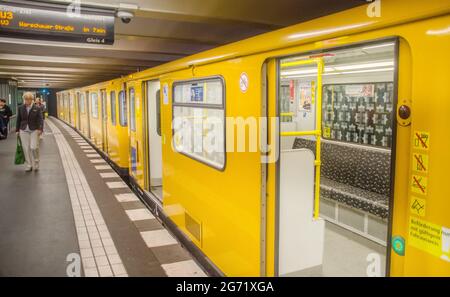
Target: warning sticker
429 237
421 140
420 163
417 206
419 184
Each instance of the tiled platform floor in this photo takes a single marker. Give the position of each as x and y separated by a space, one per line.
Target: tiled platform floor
94 215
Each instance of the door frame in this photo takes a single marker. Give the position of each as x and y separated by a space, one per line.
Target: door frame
104 99
87 109
78 111
276 59
146 136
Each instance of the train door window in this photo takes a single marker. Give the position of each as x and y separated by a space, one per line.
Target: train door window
78 111
199 120
357 90
158 112
88 114
123 117
104 105
154 138
94 105
82 104
104 101
71 119
112 98
132 110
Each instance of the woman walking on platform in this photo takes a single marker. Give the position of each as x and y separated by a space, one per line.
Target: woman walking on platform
29 127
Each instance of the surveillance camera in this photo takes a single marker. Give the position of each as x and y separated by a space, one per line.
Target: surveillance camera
125 16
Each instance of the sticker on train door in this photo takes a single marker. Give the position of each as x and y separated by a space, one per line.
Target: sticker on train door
133 160
421 140
417 206
419 184
420 163
429 237
243 82
166 94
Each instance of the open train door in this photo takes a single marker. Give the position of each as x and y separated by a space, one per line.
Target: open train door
78 110
154 139
294 179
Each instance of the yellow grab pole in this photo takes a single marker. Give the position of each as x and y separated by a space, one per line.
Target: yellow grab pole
300 133
320 67
318 131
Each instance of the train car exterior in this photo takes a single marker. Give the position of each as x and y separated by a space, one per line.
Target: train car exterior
99 114
231 203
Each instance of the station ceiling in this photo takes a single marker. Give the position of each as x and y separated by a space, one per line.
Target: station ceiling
161 31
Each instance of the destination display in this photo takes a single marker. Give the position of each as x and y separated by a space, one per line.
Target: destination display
56 23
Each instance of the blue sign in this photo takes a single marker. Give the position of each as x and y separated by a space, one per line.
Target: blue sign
133 160
196 93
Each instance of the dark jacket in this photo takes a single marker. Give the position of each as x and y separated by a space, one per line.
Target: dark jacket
5 113
33 119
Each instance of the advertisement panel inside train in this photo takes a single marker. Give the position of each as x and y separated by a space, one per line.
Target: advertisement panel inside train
70 25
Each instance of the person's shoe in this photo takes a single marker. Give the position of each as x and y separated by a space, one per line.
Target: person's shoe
36 167
28 169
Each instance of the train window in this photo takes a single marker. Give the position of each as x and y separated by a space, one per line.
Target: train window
94 105
123 117
112 97
158 112
132 110
357 95
199 120
82 104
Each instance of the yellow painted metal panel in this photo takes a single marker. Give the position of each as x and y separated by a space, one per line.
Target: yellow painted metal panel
227 203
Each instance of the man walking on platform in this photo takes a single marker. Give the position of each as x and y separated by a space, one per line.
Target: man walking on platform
29 127
5 114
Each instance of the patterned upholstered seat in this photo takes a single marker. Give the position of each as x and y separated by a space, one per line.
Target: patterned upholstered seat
354 175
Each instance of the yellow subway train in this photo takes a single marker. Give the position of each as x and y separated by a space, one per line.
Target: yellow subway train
317 149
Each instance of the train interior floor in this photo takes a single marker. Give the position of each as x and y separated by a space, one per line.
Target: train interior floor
346 253
76 208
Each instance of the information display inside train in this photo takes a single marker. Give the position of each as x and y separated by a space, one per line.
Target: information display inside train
70 25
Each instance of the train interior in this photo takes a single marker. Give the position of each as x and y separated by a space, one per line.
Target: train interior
358 91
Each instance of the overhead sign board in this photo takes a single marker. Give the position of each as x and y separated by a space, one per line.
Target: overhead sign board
56 23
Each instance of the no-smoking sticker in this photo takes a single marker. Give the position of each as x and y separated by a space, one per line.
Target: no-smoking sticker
243 82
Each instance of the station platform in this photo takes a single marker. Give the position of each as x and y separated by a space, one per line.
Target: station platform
76 208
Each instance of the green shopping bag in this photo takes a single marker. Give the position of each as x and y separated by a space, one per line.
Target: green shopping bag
20 156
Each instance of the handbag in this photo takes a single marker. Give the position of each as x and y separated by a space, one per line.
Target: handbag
20 156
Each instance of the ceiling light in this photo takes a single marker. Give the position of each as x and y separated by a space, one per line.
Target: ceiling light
339 68
377 46
363 66
340 73
369 70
